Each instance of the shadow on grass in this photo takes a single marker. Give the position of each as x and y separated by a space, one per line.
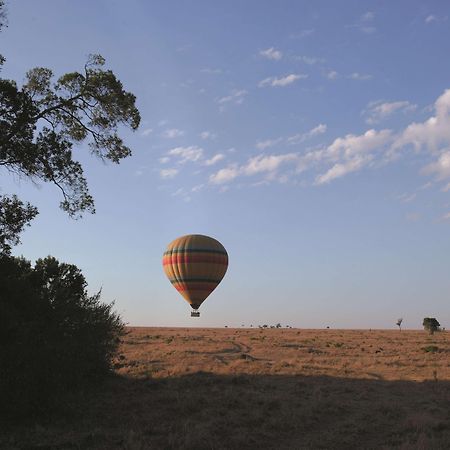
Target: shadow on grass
208 411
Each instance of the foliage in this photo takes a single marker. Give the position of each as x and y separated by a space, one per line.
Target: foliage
14 216
399 323
41 122
54 337
431 324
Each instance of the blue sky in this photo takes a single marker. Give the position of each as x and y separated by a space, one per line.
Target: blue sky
311 138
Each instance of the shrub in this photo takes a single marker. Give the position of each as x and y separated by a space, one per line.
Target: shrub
430 349
431 324
54 338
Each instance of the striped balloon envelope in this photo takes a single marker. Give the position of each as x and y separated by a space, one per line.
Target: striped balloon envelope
195 265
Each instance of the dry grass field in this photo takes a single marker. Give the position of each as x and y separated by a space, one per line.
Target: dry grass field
260 389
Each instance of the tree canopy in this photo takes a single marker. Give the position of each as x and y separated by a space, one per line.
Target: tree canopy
44 119
431 324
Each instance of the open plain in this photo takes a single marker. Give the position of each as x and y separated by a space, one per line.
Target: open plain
192 388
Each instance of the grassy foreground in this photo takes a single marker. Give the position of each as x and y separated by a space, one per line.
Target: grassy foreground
267 389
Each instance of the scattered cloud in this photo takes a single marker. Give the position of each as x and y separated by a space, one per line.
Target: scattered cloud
407 198
187 154
379 110
267 164
215 159
332 75
262 145
198 188
446 217
359 76
431 134
302 34
298 138
270 163
147 131
368 16
365 23
172 133
225 175
282 81
432 18
168 173
439 168
207 135
272 54
164 160
310 60
341 169
236 97
211 71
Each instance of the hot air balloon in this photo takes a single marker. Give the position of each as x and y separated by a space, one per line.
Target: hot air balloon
195 265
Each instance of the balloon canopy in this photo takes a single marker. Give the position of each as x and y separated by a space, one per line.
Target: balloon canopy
195 265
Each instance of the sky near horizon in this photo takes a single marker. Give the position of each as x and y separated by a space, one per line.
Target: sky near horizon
312 139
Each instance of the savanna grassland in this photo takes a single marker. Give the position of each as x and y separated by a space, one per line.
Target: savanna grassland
260 388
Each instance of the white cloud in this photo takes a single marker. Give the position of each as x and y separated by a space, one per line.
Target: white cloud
172 133
270 163
368 16
378 111
446 216
207 135
341 169
236 97
168 173
439 168
214 160
225 175
261 145
407 198
298 138
359 76
351 144
272 54
283 81
267 164
332 75
352 152
310 60
432 133
164 159
364 23
187 154
147 131
163 122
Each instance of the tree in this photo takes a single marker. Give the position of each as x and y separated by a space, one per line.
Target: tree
399 323
431 324
54 337
41 122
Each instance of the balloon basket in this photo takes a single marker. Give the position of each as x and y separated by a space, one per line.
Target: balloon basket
195 313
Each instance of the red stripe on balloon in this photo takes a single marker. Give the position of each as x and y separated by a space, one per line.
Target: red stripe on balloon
183 259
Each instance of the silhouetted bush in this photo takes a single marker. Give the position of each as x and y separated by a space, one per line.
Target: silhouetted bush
54 338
